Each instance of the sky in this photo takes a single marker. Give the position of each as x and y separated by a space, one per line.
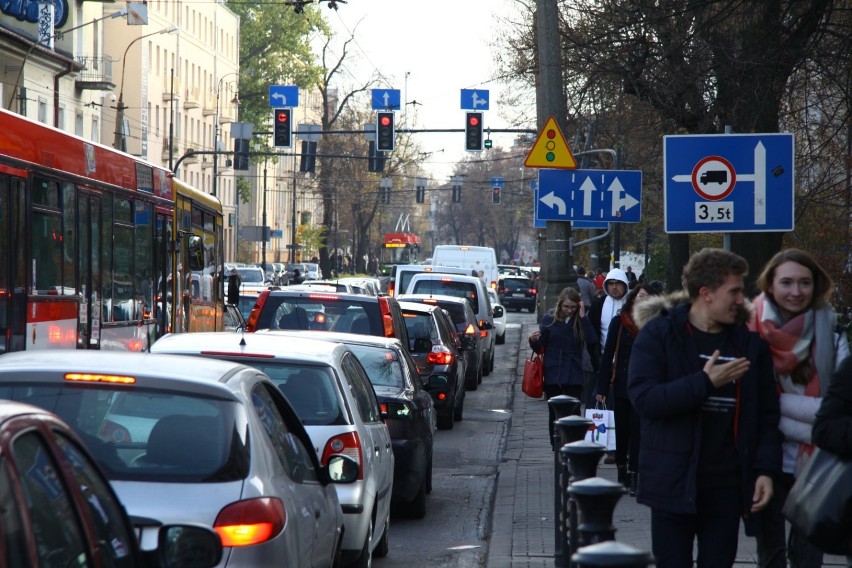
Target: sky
429 50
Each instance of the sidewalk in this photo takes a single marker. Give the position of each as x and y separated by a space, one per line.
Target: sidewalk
522 524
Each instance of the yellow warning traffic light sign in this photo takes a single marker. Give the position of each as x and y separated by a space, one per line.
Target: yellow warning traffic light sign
550 149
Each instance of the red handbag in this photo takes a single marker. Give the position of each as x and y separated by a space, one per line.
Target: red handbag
533 383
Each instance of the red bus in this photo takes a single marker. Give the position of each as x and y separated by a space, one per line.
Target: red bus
89 240
401 248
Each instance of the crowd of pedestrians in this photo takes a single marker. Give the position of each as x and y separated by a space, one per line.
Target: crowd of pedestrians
731 395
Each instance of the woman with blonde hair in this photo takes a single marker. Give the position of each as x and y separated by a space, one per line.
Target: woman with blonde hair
562 336
794 316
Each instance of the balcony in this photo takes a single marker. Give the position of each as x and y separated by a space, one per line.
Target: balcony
96 74
190 158
170 92
165 155
226 113
193 98
207 161
209 108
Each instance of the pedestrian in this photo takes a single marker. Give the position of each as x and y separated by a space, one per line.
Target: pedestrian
833 423
613 376
599 279
586 286
793 314
562 336
297 276
631 277
702 384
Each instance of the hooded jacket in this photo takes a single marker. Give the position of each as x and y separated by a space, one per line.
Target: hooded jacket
605 308
667 386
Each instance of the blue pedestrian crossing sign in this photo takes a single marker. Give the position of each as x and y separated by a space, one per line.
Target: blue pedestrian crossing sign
283 96
474 99
386 99
589 195
728 183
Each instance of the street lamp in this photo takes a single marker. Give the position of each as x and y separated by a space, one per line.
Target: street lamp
235 101
119 143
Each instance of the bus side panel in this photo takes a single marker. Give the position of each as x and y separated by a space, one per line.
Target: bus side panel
51 324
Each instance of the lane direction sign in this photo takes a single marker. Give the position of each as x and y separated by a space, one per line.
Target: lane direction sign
589 195
386 99
474 99
729 183
286 96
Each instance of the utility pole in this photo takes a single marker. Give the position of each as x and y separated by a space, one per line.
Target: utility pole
558 261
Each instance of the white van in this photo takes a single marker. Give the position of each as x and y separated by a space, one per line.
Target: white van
481 259
402 274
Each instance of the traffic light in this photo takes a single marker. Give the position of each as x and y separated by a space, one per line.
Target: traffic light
283 127
385 133
241 156
376 159
473 132
496 194
456 194
420 193
385 195
308 160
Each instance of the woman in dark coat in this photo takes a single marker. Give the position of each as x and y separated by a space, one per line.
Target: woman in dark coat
564 333
619 344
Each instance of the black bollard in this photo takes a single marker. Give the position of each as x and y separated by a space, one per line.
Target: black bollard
580 461
571 429
566 430
596 499
564 408
612 554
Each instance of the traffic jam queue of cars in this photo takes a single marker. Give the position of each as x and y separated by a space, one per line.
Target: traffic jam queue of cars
325 402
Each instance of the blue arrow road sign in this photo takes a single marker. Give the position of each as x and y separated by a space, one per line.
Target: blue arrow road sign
497 182
728 183
474 99
589 195
286 96
386 99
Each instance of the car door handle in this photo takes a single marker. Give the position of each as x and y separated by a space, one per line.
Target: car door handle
376 449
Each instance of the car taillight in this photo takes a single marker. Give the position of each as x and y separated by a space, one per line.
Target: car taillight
493 285
391 289
532 291
347 444
251 324
442 357
249 522
387 320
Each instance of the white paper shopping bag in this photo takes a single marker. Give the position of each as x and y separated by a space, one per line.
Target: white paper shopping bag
602 430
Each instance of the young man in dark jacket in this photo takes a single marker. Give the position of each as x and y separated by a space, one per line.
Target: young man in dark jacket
704 389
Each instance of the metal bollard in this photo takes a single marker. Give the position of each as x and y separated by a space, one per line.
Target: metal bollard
612 554
580 461
596 499
564 407
566 430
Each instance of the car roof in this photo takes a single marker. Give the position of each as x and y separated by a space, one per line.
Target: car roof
298 348
205 375
444 275
296 291
417 306
437 297
353 338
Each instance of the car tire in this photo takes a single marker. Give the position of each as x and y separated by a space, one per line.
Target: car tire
417 506
479 375
472 383
336 560
365 559
458 411
383 547
501 339
445 421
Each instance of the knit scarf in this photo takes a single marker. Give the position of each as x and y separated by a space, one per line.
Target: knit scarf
790 343
628 324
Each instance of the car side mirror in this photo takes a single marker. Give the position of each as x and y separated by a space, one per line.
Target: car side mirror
422 345
188 546
498 311
342 469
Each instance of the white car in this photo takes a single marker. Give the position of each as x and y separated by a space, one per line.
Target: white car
192 440
499 320
332 394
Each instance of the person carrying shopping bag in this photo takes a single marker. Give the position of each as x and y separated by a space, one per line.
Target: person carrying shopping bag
793 315
613 375
564 333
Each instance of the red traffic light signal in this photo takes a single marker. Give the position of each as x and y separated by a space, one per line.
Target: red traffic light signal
473 132
385 132
496 194
282 127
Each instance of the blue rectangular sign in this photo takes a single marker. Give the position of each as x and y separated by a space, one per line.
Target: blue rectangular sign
474 99
728 183
497 181
589 195
286 96
386 99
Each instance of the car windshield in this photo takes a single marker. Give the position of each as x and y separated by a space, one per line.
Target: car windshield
382 365
420 326
147 435
311 390
320 312
516 284
464 290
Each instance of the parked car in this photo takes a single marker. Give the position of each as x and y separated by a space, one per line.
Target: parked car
499 313
189 440
312 271
332 395
437 350
467 328
74 517
409 410
517 293
473 290
306 309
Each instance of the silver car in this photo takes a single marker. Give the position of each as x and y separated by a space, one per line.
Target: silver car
332 394
186 440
